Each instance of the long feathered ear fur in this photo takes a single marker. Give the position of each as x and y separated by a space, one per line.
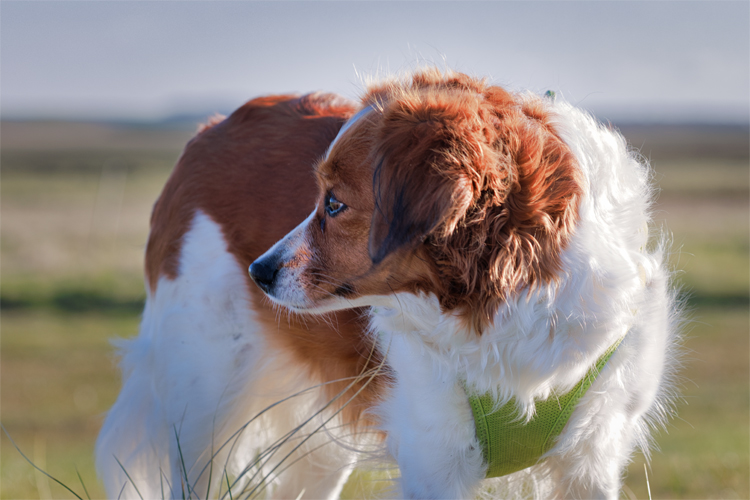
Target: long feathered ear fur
431 152
479 177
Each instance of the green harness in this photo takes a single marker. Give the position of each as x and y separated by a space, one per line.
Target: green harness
509 444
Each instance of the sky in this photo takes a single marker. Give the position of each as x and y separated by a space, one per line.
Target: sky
149 60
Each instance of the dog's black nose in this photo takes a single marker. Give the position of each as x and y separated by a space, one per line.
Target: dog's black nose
263 273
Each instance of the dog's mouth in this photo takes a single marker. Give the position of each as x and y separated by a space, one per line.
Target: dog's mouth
282 287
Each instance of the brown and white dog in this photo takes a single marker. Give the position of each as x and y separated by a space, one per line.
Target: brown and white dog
474 239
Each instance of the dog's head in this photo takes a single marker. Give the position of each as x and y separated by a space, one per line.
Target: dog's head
441 185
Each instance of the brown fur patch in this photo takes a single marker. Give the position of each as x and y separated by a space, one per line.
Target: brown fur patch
252 174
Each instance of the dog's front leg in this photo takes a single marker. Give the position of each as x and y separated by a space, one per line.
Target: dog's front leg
430 427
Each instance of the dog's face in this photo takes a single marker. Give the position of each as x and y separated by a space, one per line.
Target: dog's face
325 263
445 187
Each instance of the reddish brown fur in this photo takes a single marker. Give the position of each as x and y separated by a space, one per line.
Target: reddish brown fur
454 188
252 174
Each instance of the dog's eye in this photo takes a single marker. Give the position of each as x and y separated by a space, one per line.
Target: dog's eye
333 206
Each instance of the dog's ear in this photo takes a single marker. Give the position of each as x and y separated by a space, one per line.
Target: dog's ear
427 170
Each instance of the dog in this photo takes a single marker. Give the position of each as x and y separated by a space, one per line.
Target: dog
500 243
465 244
199 407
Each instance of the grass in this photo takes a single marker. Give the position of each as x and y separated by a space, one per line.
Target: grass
57 379
74 221
704 452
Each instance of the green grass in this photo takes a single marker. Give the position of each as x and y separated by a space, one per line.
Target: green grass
704 177
704 452
57 378
74 224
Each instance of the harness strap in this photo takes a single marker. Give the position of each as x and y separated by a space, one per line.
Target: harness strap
508 443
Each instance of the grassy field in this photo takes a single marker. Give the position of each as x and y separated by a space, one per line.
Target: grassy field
75 201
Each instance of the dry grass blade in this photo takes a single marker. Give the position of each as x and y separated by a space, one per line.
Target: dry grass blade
83 484
34 465
308 453
368 376
269 452
129 479
263 458
236 435
186 484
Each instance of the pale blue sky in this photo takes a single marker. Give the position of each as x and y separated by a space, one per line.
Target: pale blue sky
148 60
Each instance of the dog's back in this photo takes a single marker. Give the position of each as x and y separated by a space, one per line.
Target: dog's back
212 354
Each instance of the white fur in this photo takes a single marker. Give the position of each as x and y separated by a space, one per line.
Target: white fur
611 285
351 121
199 371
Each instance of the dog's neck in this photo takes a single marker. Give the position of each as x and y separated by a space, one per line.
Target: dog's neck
529 352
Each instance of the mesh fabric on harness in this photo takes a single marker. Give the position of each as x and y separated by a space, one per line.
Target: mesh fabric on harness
509 444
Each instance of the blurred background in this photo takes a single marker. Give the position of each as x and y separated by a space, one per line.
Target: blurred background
98 98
